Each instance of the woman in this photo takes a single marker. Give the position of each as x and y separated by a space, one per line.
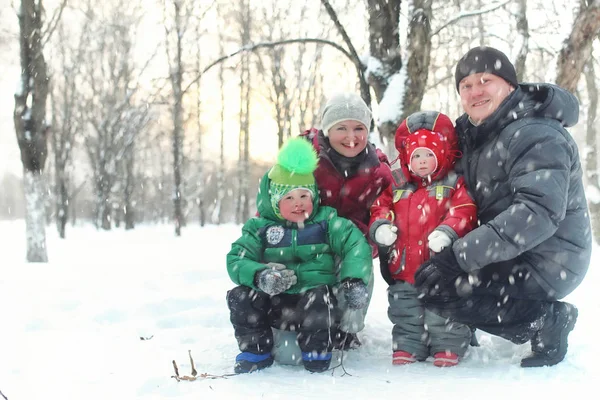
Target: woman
350 175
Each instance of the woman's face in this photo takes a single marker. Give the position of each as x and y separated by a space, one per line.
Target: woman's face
348 137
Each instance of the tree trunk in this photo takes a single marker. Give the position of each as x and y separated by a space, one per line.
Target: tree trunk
523 31
128 209
591 139
384 46
418 48
35 223
201 180
29 118
62 207
177 85
578 46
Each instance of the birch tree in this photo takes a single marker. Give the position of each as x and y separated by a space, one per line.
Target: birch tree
29 117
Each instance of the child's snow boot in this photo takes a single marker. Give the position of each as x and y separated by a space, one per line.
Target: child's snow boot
345 340
401 357
445 359
549 344
249 362
315 362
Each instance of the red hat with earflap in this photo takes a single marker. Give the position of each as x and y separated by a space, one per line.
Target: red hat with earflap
432 130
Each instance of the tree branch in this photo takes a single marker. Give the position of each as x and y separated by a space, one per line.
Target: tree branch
266 45
364 86
468 14
47 34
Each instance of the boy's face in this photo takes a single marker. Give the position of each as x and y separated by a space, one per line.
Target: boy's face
348 137
296 206
422 162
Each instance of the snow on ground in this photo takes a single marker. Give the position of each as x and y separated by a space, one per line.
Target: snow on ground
72 329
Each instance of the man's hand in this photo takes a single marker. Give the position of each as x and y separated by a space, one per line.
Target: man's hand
386 234
355 293
441 269
438 240
276 279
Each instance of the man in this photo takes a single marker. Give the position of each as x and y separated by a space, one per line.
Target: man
533 244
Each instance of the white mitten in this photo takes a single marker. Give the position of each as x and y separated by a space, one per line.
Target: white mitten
386 235
438 240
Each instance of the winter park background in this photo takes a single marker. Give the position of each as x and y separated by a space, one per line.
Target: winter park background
72 329
113 307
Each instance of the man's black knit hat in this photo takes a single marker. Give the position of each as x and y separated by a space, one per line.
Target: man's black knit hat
485 59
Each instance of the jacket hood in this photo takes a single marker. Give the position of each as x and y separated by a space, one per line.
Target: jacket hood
263 201
529 100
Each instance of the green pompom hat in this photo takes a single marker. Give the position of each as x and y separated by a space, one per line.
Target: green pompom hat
296 162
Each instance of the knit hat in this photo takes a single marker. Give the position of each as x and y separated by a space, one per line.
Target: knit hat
431 130
429 140
344 107
485 59
296 162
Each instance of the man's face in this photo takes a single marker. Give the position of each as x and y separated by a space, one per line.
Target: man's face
481 94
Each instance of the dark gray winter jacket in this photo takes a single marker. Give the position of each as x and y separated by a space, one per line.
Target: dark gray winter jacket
523 171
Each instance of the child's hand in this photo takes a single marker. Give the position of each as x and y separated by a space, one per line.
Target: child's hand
386 235
438 240
276 279
355 293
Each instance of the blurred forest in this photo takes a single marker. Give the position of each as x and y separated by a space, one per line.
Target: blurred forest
171 110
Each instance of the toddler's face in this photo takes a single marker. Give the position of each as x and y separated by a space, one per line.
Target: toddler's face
423 162
348 138
296 206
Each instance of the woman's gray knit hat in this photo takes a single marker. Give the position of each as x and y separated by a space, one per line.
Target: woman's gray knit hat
344 107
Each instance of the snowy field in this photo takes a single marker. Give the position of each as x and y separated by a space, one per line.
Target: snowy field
72 329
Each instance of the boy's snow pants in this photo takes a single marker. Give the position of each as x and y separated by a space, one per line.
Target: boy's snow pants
254 313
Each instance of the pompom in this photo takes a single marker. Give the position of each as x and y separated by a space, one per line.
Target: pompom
298 156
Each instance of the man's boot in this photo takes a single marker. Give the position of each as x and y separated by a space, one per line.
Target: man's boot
549 344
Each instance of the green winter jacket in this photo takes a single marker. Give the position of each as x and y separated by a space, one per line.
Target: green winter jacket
309 251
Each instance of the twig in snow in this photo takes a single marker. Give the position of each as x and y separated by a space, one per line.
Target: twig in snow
194 372
341 364
194 375
3 396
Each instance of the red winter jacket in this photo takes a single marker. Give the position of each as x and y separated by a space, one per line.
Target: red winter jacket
352 196
417 208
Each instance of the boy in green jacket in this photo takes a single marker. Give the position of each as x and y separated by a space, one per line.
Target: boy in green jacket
285 265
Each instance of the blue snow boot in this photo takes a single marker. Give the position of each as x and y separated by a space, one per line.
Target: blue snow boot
549 344
249 362
316 362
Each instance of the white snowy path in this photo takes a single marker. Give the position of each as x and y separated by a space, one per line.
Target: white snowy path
71 329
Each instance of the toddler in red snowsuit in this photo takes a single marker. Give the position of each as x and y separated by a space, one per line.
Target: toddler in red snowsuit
424 211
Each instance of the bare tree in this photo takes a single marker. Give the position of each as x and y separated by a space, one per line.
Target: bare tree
29 118
523 31
218 214
243 201
578 47
174 35
66 119
591 139
200 180
112 82
177 23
